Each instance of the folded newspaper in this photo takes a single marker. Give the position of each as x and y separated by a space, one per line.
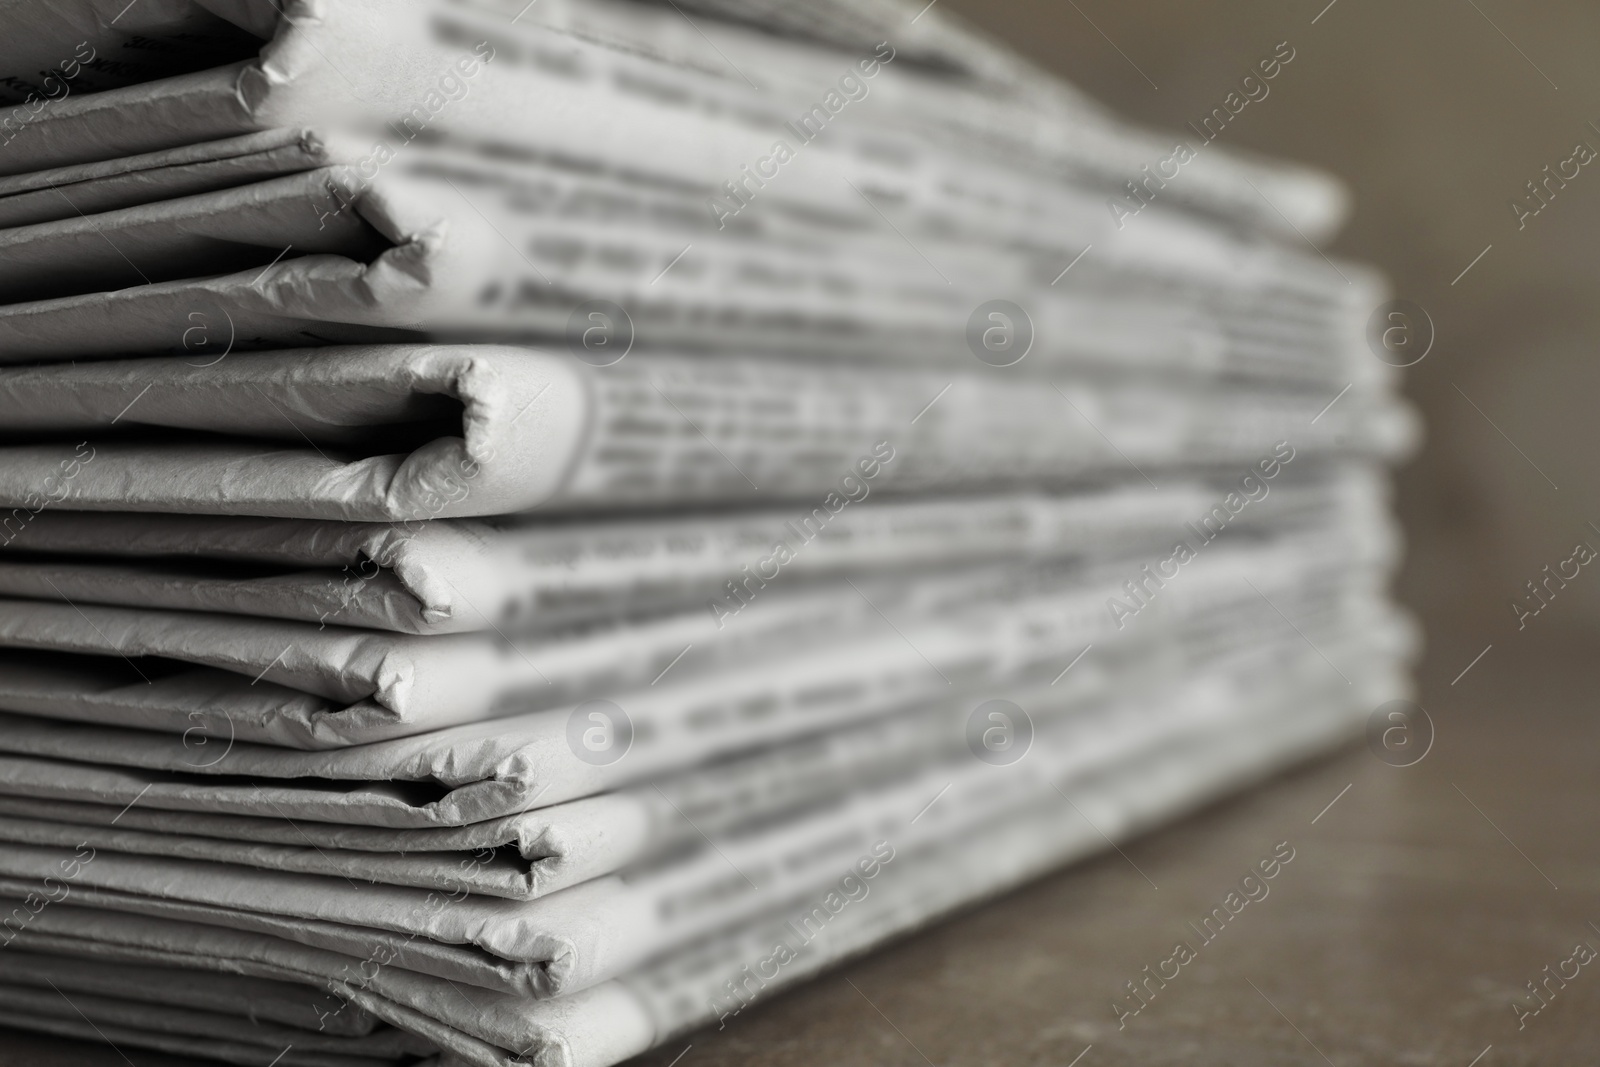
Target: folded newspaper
582 935
711 982
238 679
525 528
567 842
449 576
443 244
490 430
620 81
399 189
570 939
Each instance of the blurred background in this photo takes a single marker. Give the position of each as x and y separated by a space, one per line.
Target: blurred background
1436 113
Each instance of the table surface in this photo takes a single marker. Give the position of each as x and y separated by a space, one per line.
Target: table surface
1417 907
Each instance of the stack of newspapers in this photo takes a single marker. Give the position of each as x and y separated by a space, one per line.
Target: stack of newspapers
526 527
